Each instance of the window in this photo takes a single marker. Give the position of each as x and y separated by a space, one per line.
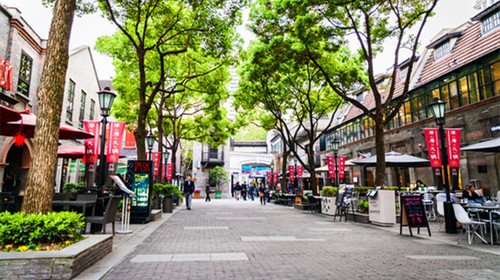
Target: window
92 108
23 84
495 74
442 50
482 169
71 95
212 153
490 22
82 109
404 73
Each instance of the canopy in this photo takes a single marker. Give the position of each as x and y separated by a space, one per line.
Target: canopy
27 124
74 152
394 159
8 115
492 146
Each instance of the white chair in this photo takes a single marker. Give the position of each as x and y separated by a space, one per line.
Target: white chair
440 212
494 224
469 225
429 206
498 196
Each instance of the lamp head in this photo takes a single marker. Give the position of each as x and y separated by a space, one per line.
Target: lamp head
106 98
295 159
150 140
335 144
437 109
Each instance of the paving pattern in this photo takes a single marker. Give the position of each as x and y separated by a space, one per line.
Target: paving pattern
228 239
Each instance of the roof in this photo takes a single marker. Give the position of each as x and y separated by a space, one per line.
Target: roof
468 48
486 11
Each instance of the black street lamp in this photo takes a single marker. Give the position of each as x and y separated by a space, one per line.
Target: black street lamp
165 156
335 147
106 98
150 141
272 175
438 109
295 176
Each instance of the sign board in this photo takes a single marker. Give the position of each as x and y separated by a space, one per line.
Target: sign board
140 179
413 213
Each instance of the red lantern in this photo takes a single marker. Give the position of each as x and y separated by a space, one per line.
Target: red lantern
19 139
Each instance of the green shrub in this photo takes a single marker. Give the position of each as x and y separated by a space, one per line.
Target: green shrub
329 191
69 187
34 229
363 206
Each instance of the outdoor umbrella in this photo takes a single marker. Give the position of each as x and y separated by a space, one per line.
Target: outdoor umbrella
27 125
394 159
8 115
74 152
492 146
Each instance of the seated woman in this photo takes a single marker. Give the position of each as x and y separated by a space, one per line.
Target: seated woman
471 195
419 185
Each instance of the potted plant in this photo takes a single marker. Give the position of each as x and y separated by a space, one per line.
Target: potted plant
156 199
197 193
168 191
217 177
328 198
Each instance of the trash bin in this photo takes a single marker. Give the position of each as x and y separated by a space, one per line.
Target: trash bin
218 194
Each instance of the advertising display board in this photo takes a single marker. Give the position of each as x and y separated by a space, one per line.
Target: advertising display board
140 179
413 213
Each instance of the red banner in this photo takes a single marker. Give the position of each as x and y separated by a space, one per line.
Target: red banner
300 169
275 179
92 144
156 159
269 177
330 161
453 145
341 167
115 141
432 140
170 167
6 75
291 171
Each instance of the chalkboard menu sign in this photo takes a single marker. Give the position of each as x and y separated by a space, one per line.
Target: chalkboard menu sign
343 201
413 213
140 179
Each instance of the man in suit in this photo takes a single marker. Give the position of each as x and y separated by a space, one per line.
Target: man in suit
188 191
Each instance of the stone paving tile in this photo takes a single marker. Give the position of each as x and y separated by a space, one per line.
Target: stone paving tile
362 252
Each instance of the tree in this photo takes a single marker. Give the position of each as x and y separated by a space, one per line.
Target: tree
320 29
39 186
289 91
218 176
154 30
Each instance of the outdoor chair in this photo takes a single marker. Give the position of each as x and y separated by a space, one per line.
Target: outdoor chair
468 225
429 206
61 197
87 197
440 211
314 203
494 225
109 214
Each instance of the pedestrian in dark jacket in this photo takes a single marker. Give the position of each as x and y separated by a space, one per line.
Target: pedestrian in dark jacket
207 192
188 191
262 194
237 190
244 190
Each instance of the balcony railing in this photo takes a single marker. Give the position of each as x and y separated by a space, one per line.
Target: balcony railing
212 157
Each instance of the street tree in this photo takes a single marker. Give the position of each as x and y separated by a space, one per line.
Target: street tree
217 177
323 27
153 30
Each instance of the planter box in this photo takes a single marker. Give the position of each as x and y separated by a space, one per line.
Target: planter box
196 195
168 205
63 264
328 206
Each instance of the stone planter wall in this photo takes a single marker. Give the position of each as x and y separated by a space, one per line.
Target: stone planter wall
328 206
64 264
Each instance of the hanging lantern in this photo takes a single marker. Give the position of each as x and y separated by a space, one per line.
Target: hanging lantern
19 139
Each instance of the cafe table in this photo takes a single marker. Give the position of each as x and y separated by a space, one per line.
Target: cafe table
77 204
488 208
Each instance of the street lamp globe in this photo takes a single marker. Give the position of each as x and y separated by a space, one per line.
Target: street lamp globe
437 109
272 166
335 144
165 155
150 140
295 159
106 98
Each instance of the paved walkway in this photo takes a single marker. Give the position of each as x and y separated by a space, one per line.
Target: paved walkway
228 239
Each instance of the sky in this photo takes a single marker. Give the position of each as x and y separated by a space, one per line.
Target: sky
86 29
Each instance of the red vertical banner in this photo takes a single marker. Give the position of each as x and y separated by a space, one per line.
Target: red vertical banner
433 146
331 166
92 144
156 159
269 177
275 177
170 168
114 141
300 170
291 171
453 145
341 167
163 168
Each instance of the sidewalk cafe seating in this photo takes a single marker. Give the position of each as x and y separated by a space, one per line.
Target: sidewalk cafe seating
61 197
428 201
440 211
109 214
494 225
468 225
87 197
312 203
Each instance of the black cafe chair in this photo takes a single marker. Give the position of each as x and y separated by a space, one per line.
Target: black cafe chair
109 214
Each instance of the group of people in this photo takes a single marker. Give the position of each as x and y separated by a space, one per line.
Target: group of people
472 195
252 191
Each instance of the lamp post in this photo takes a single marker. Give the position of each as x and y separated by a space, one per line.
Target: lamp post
150 141
165 155
272 174
106 98
295 176
438 109
335 147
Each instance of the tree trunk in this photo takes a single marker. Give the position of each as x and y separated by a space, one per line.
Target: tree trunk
39 188
284 169
380 150
160 146
140 133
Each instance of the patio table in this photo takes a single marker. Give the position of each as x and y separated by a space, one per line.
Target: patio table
78 204
487 208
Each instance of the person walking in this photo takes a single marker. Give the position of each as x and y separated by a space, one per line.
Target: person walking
251 190
207 192
262 194
237 190
188 191
244 190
